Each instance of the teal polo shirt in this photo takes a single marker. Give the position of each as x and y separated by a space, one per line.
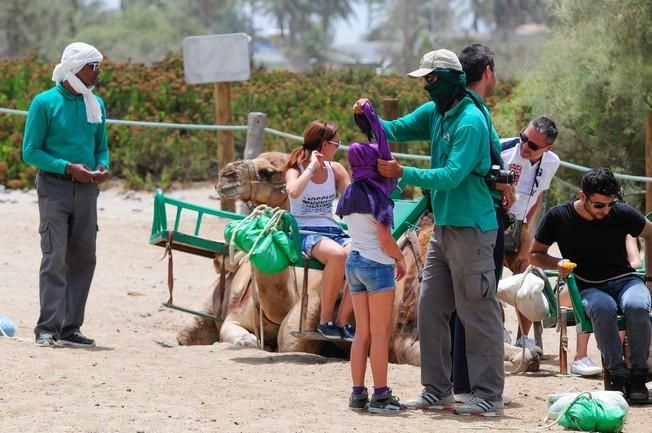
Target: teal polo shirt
57 132
459 160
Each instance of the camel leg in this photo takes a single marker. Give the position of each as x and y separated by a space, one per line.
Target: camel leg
521 360
197 330
234 333
289 343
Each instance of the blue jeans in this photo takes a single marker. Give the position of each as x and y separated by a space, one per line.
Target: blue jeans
602 303
311 236
364 275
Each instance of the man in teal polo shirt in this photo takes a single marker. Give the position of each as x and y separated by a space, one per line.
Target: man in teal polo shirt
459 270
65 138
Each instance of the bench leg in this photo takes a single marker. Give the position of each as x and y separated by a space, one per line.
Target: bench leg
563 344
538 334
304 298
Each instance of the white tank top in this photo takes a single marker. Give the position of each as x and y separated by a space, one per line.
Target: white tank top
314 207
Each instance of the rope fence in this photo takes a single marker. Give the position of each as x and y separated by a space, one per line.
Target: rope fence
298 138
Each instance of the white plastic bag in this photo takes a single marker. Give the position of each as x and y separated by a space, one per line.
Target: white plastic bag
508 287
525 292
613 398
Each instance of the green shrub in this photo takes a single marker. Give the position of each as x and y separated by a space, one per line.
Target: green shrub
149 157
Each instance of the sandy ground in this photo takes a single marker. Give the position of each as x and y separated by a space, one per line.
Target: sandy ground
139 380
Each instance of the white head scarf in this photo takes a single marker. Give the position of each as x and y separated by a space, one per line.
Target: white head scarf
73 59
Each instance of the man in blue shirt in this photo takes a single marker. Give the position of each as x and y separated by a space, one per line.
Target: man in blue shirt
65 138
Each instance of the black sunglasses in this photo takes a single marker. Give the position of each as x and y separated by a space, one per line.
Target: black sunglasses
600 205
95 66
531 144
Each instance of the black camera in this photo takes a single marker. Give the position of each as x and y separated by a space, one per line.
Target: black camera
496 175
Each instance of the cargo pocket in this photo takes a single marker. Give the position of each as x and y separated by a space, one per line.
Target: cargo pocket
479 280
46 241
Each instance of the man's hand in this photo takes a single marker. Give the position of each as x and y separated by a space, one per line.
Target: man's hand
390 168
508 194
79 172
100 174
565 267
357 107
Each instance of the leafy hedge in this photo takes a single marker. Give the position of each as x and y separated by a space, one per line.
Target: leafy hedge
148 157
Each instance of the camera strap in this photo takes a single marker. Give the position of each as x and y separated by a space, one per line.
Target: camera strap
529 197
493 152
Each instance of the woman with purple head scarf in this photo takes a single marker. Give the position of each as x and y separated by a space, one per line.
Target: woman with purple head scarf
374 258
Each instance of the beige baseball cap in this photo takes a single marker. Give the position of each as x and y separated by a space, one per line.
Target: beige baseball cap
438 59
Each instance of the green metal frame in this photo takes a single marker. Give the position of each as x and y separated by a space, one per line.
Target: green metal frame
190 243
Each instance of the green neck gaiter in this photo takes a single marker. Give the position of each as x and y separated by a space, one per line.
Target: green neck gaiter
449 86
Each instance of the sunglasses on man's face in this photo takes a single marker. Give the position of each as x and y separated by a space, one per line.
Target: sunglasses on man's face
601 205
95 66
531 144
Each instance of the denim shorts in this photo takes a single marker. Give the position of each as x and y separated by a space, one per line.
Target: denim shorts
316 234
364 275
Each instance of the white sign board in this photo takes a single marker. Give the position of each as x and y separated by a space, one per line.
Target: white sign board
216 58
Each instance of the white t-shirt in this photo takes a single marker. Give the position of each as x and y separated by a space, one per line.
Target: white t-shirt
314 207
364 237
524 175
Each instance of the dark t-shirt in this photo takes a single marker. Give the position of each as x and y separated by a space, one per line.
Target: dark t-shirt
597 246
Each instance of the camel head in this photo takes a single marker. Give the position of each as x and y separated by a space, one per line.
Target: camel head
260 180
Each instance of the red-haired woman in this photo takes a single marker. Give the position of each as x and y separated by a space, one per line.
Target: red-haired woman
312 181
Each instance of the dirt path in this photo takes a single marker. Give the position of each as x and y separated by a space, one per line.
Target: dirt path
139 380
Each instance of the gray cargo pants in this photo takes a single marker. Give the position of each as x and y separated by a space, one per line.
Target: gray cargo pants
68 229
459 274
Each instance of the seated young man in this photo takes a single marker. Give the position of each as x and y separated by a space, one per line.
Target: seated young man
591 231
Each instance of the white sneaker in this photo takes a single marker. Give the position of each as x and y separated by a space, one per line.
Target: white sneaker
428 400
466 397
462 397
529 344
480 407
585 367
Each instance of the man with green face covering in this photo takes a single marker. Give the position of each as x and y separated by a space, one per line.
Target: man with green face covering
459 269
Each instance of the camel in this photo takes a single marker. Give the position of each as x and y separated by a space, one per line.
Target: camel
250 297
266 175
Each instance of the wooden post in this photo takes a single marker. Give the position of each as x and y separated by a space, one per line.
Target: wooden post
255 135
390 112
648 162
225 152
254 146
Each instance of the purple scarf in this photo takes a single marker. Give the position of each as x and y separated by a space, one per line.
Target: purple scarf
369 191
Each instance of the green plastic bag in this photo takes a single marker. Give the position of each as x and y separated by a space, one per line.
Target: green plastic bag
262 236
589 414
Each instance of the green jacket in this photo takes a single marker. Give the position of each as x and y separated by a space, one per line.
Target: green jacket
459 160
57 132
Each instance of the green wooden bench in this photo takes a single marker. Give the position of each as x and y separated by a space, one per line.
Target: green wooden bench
197 242
559 317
